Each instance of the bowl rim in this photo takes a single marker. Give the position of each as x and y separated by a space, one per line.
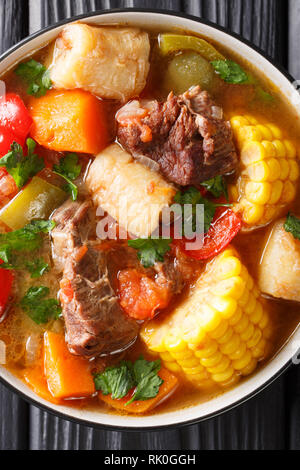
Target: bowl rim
284 368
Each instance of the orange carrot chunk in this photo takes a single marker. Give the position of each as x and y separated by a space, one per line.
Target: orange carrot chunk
141 407
67 376
36 380
69 121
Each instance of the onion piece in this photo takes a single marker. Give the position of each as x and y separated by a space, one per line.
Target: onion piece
148 162
2 353
33 346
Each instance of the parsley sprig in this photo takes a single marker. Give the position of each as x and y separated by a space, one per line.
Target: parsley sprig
142 376
69 169
217 187
25 240
36 75
22 167
292 225
151 250
194 198
38 308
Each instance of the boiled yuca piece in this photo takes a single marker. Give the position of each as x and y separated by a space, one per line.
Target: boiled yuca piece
279 271
128 191
112 63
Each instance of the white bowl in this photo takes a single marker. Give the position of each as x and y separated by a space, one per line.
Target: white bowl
263 378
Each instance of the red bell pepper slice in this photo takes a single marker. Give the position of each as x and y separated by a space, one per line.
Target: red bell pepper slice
15 117
6 281
224 229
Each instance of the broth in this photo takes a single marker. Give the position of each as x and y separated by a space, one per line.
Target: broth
17 328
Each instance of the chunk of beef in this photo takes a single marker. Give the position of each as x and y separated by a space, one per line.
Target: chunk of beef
95 322
186 135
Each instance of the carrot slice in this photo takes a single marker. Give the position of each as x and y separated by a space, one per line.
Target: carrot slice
67 376
36 380
141 407
69 121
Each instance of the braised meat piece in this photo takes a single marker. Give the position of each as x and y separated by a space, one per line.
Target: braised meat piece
95 322
186 135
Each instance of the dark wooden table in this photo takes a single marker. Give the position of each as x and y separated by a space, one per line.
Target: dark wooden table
270 421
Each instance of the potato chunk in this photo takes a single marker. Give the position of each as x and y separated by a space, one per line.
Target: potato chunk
110 62
279 272
128 191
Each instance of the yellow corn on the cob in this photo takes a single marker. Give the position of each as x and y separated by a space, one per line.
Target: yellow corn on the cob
220 332
270 170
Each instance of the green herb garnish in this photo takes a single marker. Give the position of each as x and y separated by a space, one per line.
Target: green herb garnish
69 169
27 239
22 167
230 72
217 187
151 250
37 268
39 309
292 225
120 380
36 75
194 198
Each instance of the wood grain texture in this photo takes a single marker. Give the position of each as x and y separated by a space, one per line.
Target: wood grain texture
267 421
13 411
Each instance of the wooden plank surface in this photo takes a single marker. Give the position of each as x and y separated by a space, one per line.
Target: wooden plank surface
266 422
13 411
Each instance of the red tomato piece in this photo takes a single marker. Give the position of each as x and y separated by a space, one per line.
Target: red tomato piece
7 138
140 296
15 117
6 281
224 229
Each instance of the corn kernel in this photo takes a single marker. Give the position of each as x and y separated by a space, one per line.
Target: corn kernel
256 316
166 356
277 188
238 122
226 307
294 170
181 356
221 367
259 350
251 304
174 343
257 336
224 376
250 368
220 331
291 150
253 213
226 337
276 132
192 362
173 367
258 193
240 364
208 350
259 172
288 193
212 361
210 318
236 317
251 120
275 169
228 267
254 152
284 169
242 325
269 148
280 149
231 346
239 352
265 131
248 333
233 287
244 299
194 370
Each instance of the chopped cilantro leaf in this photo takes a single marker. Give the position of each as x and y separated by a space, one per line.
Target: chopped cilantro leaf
292 225
39 309
37 77
151 250
37 268
230 72
217 187
22 167
142 377
69 169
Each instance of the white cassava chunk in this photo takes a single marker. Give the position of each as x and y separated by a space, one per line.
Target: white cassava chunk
110 62
128 191
279 271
